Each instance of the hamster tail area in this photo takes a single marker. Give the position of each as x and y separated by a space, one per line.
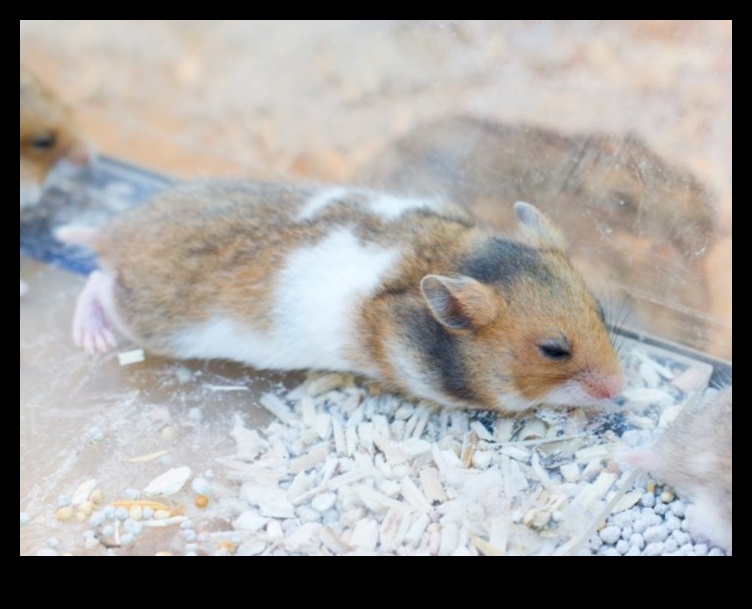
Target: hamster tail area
74 234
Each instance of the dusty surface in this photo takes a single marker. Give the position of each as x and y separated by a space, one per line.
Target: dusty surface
321 100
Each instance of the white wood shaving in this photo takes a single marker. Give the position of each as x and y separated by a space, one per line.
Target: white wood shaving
347 469
126 358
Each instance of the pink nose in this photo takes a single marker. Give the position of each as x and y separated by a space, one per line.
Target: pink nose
81 154
607 387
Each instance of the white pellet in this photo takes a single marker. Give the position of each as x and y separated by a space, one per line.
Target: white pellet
250 520
701 549
667 496
97 519
201 486
655 534
622 546
648 500
653 549
610 534
637 541
127 538
133 527
623 519
640 525
681 537
252 547
678 508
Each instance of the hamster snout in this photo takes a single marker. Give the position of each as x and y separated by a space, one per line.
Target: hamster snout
409 291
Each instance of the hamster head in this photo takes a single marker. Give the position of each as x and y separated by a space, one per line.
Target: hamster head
48 134
526 326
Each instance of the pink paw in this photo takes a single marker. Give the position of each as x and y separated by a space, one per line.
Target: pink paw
91 329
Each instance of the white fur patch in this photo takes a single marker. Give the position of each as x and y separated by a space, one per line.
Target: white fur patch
223 338
570 393
317 301
30 193
414 379
391 207
318 202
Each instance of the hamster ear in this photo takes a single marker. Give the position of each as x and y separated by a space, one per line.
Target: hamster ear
461 303
536 229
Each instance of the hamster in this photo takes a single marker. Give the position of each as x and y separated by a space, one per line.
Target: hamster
694 457
409 291
637 224
49 133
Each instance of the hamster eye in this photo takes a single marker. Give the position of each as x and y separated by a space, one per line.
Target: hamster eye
44 142
556 349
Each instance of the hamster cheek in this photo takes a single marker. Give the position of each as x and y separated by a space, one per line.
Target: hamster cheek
30 193
570 393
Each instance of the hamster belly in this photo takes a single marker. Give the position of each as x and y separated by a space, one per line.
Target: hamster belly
316 297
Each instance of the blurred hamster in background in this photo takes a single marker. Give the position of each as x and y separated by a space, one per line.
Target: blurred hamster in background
694 457
49 134
637 226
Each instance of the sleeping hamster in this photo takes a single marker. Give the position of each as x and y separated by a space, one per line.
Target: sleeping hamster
410 291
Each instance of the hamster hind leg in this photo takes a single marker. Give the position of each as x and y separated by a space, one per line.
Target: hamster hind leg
92 322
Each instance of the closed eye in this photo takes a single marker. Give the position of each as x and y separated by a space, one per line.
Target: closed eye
556 350
44 142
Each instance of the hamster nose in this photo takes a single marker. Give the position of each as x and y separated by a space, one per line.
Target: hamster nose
606 387
81 154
